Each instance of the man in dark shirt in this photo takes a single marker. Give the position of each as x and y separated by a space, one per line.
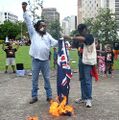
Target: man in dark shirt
109 60
84 69
10 56
116 50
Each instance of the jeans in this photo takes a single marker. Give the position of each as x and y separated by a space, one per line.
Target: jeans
85 80
44 67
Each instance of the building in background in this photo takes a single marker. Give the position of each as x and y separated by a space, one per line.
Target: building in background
87 9
69 24
117 13
50 14
7 16
113 5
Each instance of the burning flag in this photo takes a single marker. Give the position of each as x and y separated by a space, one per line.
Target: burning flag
64 73
32 118
57 108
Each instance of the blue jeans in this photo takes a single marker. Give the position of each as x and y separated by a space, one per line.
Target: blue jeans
85 80
44 67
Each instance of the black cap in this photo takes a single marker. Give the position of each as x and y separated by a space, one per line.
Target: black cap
81 27
24 3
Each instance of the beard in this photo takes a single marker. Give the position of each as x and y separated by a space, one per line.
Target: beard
42 32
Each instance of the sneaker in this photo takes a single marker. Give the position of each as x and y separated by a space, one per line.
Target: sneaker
33 100
14 71
88 103
79 101
49 100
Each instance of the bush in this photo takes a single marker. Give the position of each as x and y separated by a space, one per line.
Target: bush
1 41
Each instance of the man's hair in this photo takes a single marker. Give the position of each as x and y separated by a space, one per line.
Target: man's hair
81 27
37 24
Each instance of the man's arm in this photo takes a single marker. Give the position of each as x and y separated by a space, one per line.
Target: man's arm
27 19
79 38
52 40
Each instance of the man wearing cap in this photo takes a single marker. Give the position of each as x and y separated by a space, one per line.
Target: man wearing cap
84 38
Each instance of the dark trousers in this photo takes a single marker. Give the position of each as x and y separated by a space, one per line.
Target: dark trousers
108 68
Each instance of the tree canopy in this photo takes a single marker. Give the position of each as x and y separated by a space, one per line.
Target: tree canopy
12 30
104 26
54 29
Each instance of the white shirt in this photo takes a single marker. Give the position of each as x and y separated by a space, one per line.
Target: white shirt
40 45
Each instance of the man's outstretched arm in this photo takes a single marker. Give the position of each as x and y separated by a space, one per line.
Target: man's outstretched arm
27 19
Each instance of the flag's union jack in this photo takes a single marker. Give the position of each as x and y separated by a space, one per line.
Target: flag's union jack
64 73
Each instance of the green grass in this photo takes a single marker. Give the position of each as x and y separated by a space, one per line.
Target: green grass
73 59
116 65
22 56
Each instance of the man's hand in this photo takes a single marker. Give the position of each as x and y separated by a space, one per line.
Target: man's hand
67 37
24 5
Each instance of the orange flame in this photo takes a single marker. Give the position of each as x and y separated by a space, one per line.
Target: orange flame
32 118
57 109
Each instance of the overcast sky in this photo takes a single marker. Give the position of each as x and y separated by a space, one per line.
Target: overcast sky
64 7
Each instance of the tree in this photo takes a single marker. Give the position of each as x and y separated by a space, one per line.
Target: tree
23 30
12 30
9 29
90 24
35 6
104 26
54 29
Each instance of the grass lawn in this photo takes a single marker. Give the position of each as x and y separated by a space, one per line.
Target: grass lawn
22 56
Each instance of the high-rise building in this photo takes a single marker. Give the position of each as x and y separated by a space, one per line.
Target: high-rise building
113 5
50 14
87 9
69 24
65 26
7 16
117 12
108 4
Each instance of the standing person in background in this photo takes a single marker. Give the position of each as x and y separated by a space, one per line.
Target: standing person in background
41 41
101 63
68 47
116 50
54 57
10 56
109 60
84 69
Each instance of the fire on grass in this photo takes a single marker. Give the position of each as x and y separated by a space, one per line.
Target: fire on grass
32 118
57 109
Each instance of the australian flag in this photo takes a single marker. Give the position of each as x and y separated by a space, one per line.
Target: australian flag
64 73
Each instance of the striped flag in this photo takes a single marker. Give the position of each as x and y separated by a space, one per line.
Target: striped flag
64 73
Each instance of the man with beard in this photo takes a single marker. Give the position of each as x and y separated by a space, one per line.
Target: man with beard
41 41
